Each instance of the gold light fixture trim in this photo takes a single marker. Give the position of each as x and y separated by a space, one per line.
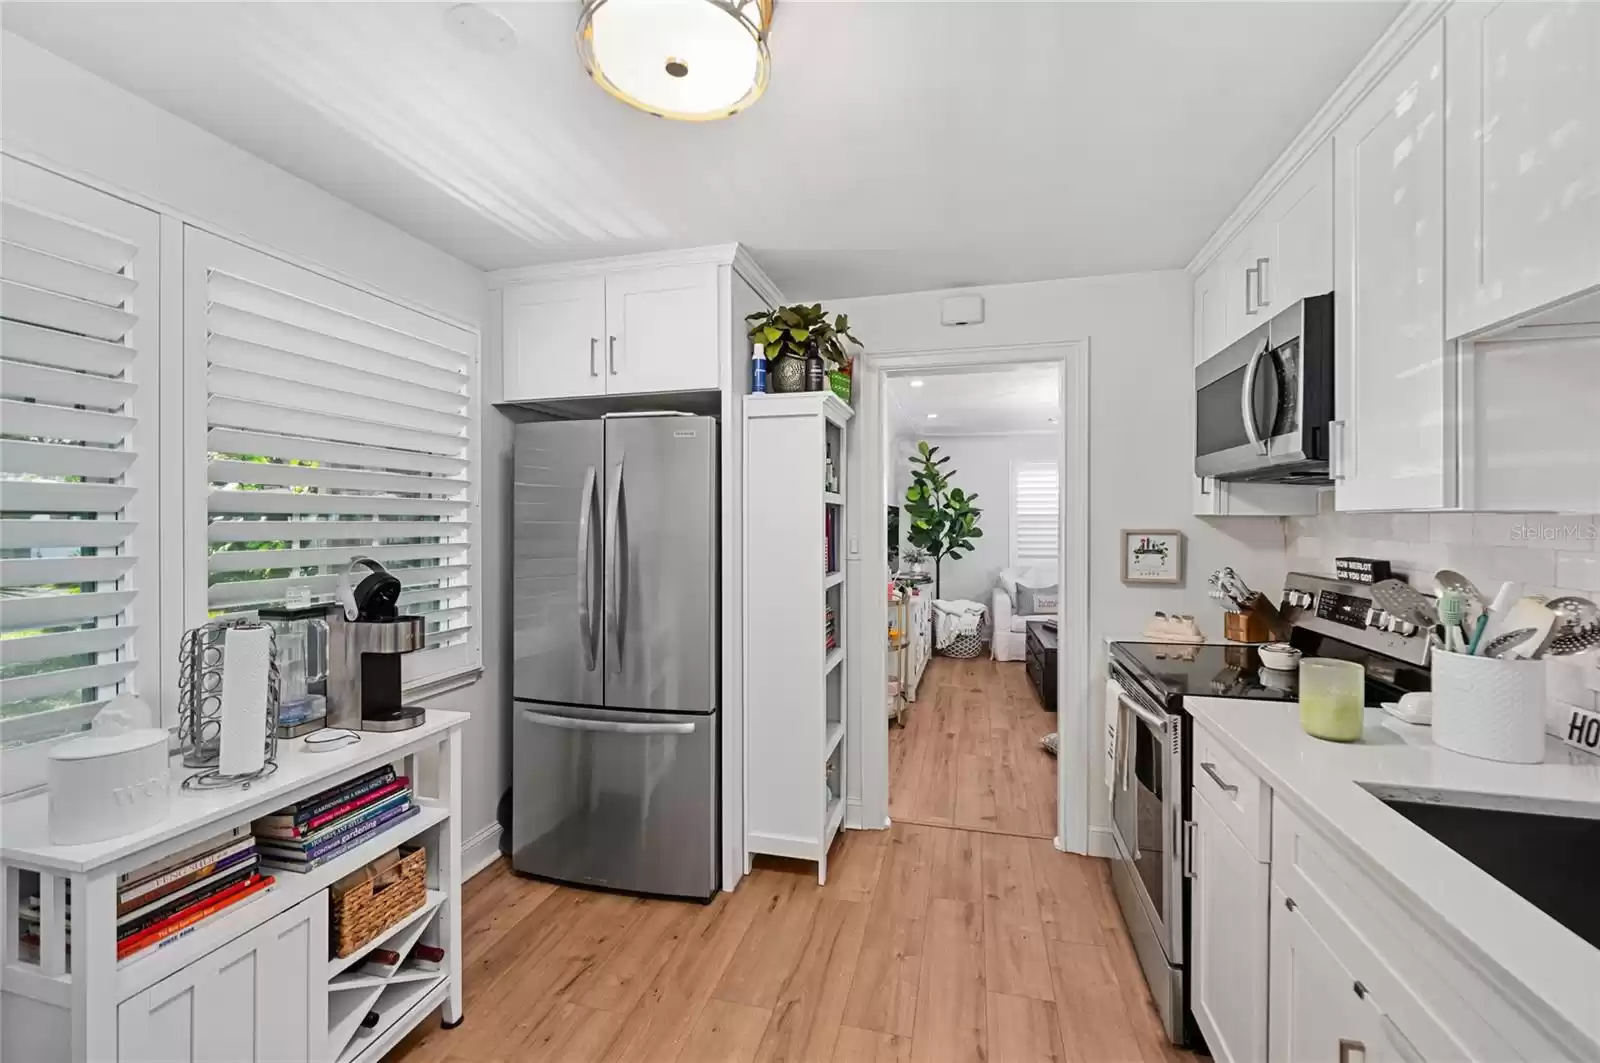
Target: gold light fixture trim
688 60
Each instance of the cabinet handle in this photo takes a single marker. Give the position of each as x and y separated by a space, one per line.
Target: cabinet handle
1227 787
1361 990
1352 1051
1205 485
611 353
1288 902
1248 309
1261 282
1191 834
1336 450
594 342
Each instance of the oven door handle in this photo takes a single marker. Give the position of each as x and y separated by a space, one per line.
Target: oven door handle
1247 398
1157 722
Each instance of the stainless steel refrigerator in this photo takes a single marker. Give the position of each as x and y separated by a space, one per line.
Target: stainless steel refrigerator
614 682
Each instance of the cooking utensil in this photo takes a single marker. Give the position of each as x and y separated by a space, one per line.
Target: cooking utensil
1502 644
1226 586
1573 613
1529 613
1453 617
1403 600
1448 579
1570 642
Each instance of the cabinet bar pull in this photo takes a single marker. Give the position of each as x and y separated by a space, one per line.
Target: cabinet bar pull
1352 1051
611 353
1227 787
594 342
1336 469
1249 310
1261 282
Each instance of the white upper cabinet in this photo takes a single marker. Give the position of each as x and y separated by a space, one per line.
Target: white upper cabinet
554 332
626 331
1523 149
1210 316
662 329
1296 242
1395 443
1241 284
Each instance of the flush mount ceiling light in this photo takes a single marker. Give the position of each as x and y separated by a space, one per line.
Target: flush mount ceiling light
931 416
693 60
916 383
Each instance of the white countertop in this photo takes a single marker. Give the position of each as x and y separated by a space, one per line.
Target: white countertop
1488 920
25 823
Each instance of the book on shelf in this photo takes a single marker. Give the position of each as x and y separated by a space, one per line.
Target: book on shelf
344 813
321 809
187 919
341 833
299 861
143 918
202 867
187 855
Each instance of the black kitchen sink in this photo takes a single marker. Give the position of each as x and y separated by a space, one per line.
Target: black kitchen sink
1552 862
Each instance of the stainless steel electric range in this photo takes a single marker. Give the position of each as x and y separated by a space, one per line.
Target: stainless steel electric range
1151 763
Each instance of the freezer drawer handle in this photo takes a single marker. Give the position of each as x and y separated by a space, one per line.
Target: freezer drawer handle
618 727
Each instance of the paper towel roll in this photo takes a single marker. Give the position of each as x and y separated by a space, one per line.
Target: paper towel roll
246 664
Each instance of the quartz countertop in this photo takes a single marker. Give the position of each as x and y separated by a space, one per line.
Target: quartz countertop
1323 781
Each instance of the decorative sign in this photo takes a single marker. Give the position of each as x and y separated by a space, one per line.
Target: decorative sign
1578 728
1152 556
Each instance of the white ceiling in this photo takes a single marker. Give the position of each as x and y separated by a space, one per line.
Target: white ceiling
901 146
1021 398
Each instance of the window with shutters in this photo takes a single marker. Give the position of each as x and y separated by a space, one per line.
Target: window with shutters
334 424
79 594
1035 512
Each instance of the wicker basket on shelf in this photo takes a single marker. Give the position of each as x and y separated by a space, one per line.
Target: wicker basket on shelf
365 904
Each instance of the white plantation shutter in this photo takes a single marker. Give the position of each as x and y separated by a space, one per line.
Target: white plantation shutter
78 354
336 424
1035 512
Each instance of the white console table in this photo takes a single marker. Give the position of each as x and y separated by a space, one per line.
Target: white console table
254 982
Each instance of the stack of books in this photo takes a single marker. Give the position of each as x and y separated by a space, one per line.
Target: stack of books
162 902
312 832
829 630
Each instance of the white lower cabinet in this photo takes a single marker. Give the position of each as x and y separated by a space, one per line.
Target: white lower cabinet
1228 941
1318 1011
255 999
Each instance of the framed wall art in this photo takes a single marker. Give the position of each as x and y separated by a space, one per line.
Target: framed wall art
1154 557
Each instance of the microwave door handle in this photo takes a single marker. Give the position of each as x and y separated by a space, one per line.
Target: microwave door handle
1247 406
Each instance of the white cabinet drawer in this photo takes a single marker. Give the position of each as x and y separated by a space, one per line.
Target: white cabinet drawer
1240 799
1442 1005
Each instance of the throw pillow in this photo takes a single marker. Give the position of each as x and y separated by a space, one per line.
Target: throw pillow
1032 601
1008 581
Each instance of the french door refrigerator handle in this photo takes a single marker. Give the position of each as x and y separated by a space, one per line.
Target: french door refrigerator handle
585 534
622 563
619 727
612 621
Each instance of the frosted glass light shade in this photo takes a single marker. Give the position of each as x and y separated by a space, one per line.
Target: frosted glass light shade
692 60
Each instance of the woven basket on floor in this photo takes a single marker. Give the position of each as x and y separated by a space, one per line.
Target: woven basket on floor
366 910
965 646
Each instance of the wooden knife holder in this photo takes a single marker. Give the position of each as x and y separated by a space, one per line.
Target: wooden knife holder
1260 623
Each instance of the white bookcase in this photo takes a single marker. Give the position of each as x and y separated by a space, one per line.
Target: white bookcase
794 692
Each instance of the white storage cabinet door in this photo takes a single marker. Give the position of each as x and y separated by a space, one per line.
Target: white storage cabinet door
258 999
1210 315
1228 955
554 336
662 330
1315 1013
1394 379
1523 143
1297 246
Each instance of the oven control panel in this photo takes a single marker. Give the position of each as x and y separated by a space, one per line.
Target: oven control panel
1346 609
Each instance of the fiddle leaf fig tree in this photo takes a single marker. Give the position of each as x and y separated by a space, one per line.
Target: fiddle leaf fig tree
944 520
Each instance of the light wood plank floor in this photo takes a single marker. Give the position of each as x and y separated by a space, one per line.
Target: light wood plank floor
928 944
969 753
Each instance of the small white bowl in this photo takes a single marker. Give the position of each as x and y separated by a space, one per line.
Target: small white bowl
1279 656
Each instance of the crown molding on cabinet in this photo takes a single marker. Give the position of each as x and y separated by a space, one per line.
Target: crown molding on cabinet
1417 17
733 255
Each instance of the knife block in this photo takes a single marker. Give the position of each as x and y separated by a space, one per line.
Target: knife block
1260 623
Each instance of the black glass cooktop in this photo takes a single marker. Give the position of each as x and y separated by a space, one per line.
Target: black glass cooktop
1232 670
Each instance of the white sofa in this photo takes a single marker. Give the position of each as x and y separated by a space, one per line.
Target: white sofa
1010 640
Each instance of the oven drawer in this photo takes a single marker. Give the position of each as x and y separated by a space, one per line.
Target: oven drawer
1241 800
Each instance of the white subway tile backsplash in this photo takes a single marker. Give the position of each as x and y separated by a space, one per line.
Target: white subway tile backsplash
1578 570
1521 564
1412 527
1450 527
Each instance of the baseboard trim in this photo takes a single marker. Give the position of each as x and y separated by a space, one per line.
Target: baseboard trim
1102 842
480 850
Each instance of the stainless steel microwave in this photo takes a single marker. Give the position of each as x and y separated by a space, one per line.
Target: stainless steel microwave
1264 404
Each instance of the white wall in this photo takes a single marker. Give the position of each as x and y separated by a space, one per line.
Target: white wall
72 121
982 464
1141 373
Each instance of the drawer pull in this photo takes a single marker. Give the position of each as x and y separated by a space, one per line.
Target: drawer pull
1361 990
1227 787
1352 1051
1288 902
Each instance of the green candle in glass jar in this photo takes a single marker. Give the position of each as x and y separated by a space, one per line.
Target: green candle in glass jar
1332 696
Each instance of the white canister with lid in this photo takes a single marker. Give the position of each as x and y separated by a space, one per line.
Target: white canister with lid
103 785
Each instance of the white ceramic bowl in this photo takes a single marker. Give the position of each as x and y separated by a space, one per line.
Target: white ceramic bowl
1279 656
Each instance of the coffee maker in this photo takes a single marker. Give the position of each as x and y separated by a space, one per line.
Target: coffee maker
366 637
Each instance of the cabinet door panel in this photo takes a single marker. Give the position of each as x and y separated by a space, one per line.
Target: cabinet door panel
1524 146
661 330
1299 248
1394 381
1229 954
553 332
1210 314
1240 291
1315 1012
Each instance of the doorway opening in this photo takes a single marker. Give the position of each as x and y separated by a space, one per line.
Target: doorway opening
983 478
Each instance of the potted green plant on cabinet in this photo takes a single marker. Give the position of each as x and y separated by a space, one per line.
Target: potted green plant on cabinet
791 334
944 520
